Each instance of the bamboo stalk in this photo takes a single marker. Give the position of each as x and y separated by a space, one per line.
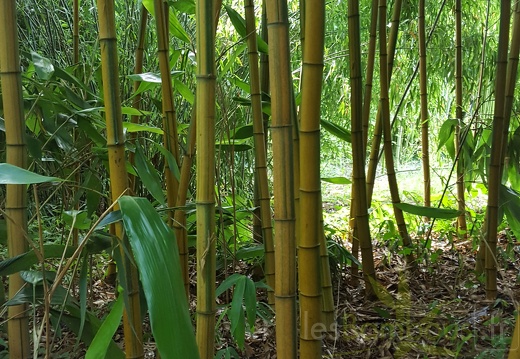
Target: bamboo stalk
378 127
205 117
494 176
461 220
385 119
283 178
16 154
425 142
260 149
309 221
358 166
168 107
117 166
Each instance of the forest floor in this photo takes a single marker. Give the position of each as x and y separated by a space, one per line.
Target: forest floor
436 311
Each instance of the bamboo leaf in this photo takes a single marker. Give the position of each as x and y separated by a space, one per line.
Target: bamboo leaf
99 346
156 255
236 313
240 26
176 28
10 174
336 130
429 212
25 260
137 127
336 180
92 325
446 132
148 174
243 132
250 302
43 66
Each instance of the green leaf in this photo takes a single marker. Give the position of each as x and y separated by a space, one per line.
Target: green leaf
176 28
250 302
446 132
510 202
236 146
236 313
250 252
79 219
243 132
10 174
131 111
148 174
92 325
150 77
137 127
185 6
156 255
336 180
25 260
240 26
184 91
99 346
429 212
336 130
43 66
227 283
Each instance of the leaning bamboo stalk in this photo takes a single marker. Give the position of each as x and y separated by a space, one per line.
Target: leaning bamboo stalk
283 178
326 280
494 177
378 127
16 154
205 201
260 149
358 166
309 265
117 167
387 143
168 107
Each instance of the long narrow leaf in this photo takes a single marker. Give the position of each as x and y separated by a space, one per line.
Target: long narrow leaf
101 342
156 255
10 174
430 212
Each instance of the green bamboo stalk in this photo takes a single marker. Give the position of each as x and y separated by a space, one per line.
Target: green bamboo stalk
16 154
117 165
385 119
461 220
309 265
136 102
425 143
494 176
179 223
75 32
367 98
283 178
205 117
260 149
358 153
168 107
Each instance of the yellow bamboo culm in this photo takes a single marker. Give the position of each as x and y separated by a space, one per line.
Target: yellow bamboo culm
260 150
132 324
205 201
283 178
16 154
312 325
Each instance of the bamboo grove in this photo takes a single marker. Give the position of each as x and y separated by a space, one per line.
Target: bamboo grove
161 150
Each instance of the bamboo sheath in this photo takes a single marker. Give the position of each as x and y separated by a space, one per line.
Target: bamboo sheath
16 154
